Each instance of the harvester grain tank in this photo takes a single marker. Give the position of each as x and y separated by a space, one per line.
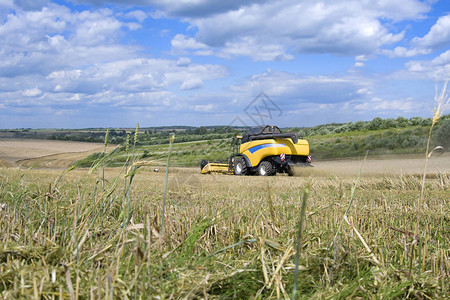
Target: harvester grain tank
263 150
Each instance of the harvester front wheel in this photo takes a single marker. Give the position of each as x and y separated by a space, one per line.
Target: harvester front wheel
266 168
240 167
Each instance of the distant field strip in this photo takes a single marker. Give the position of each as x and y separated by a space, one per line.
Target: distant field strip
16 151
408 164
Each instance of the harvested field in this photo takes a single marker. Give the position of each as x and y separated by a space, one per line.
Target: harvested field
80 235
44 153
99 236
384 165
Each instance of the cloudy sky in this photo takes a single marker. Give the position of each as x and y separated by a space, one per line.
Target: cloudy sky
101 63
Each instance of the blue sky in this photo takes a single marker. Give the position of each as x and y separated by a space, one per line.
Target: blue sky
101 63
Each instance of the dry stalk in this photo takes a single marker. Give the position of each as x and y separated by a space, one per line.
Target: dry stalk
264 268
286 255
299 240
69 283
363 241
171 139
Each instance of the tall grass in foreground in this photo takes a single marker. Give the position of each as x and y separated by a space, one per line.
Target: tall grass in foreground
222 240
98 236
299 240
441 101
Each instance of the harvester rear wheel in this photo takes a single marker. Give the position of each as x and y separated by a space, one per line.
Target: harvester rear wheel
266 168
290 171
240 167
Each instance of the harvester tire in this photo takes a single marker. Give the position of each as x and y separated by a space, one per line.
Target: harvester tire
266 168
290 171
240 167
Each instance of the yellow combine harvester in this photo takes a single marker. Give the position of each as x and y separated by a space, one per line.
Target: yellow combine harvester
263 150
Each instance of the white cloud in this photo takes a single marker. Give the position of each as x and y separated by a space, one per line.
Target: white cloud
31 4
75 97
436 69
137 14
180 8
94 28
204 108
58 60
183 61
182 44
398 10
442 59
364 91
293 89
281 28
39 42
338 27
134 75
193 83
361 58
359 61
394 10
32 92
133 26
377 105
404 52
438 37
248 46
6 3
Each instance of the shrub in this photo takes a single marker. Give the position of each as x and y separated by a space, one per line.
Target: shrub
146 153
410 141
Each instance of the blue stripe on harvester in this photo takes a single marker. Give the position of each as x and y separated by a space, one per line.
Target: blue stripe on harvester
259 147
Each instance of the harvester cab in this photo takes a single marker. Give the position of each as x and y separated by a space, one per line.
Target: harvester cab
263 150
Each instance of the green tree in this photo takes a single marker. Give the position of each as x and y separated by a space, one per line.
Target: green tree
359 125
201 130
375 124
416 120
402 122
390 123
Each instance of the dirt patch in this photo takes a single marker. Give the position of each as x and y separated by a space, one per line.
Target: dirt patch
43 153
